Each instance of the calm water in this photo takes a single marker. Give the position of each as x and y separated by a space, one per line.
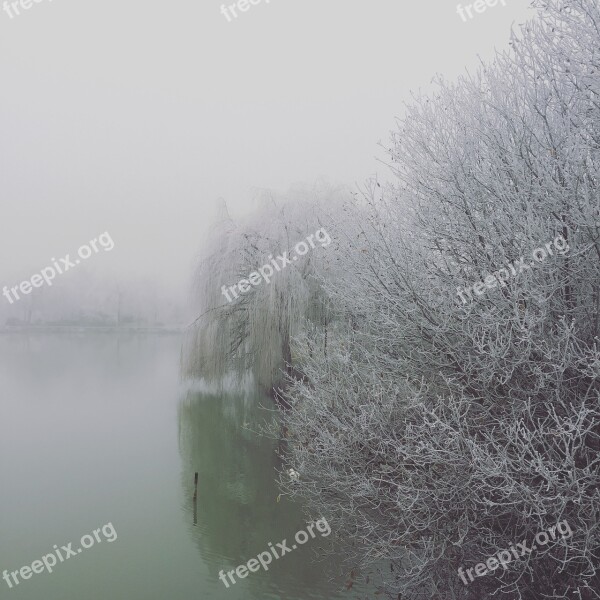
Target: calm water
96 428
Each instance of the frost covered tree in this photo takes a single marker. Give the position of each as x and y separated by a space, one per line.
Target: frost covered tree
250 333
434 433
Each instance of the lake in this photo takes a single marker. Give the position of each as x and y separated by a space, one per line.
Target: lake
96 429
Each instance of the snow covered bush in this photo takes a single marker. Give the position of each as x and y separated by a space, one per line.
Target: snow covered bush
431 434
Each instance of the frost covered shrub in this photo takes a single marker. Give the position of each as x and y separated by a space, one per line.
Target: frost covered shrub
436 434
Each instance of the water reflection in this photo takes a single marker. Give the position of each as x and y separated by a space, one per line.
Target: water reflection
237 511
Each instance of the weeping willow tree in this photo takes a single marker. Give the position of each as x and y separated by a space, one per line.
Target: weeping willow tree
251 334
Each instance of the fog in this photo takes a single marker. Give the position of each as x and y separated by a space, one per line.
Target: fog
133 118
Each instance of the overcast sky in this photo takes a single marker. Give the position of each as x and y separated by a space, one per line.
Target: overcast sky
133 116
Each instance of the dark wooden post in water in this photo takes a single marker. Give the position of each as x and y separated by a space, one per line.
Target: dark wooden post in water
195 498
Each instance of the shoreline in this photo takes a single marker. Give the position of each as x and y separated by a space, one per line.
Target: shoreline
169 330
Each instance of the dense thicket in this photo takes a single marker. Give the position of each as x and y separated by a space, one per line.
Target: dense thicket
434 433
439 432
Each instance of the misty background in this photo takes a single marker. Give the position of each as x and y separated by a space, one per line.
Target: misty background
133 118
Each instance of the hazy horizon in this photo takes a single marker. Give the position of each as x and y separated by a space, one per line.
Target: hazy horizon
133 119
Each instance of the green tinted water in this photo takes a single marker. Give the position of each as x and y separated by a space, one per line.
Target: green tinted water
97 429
